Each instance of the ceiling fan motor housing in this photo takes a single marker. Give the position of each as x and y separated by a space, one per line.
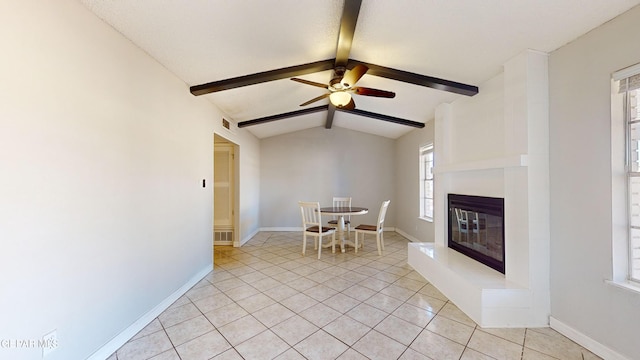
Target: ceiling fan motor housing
336 85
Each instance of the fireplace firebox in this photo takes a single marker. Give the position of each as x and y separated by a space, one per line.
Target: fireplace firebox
476 228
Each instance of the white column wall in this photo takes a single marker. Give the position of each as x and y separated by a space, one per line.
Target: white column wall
496 144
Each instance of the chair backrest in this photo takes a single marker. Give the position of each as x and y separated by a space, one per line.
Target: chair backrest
382 214
462 218
310 212
342 202
479 223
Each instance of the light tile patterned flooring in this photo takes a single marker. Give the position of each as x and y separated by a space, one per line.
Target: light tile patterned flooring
266 301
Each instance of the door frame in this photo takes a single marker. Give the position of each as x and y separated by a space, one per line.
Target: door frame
236 188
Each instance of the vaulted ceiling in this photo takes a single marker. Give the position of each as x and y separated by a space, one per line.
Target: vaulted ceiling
462 41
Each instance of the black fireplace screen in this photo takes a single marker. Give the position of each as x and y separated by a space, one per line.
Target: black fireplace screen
476 228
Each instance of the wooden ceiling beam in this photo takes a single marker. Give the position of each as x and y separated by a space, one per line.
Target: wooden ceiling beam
270 118
331 112
392 119
417 79
348 22
261 77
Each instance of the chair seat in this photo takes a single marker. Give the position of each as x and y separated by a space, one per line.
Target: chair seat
312 225
366 227
374 229
336 221
316 229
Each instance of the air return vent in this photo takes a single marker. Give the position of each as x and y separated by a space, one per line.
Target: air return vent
225 123
223 235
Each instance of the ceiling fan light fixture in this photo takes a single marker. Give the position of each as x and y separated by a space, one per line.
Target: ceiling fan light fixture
340 98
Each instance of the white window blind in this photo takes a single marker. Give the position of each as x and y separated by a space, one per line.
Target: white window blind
629 86
426 182
630 83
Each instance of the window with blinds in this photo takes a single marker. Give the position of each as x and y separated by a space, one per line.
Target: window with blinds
426 182
629 88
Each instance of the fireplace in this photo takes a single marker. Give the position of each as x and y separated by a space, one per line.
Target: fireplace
476 228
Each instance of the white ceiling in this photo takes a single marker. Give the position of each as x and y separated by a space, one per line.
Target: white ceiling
465 41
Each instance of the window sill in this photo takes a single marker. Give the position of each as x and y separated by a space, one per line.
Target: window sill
427 219
626 285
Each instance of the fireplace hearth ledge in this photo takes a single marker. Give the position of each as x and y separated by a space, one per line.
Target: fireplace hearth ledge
482 293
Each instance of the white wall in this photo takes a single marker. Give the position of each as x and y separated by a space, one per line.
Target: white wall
580 167
249 185
317 164
407 171
102 156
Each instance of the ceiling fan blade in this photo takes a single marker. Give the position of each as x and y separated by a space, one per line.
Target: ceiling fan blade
417 79
373 92
262 77
347 29
352 76
318 98
312 83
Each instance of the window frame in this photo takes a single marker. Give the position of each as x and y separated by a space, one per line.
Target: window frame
426 176
629 122
622 175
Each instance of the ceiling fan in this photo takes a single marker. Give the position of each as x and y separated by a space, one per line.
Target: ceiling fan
347 72
343 85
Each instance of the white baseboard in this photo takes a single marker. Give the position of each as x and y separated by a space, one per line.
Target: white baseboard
246 238
585 341
300 229
409 237
122 338
281 229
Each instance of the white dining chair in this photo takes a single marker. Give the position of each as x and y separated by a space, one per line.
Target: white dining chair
342 202
480 228
312 226
377 229
462 218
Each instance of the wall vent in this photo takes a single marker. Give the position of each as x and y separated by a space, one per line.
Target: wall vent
225 235
225 123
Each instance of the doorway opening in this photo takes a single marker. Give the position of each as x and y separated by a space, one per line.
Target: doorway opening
225 194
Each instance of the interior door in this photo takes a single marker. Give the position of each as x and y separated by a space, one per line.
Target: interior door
223 194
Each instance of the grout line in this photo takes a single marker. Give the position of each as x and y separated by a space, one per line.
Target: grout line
275 257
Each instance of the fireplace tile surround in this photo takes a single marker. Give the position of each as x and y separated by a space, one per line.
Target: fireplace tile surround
514 166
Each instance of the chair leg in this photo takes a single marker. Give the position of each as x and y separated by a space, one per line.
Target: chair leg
319 238
378 240
304 243
356 242
382 239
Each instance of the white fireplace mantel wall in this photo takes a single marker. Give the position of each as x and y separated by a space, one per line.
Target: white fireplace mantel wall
496 144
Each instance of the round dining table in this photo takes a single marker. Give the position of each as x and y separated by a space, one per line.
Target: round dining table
341 212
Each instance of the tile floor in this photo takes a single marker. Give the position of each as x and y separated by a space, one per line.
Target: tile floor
266 301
